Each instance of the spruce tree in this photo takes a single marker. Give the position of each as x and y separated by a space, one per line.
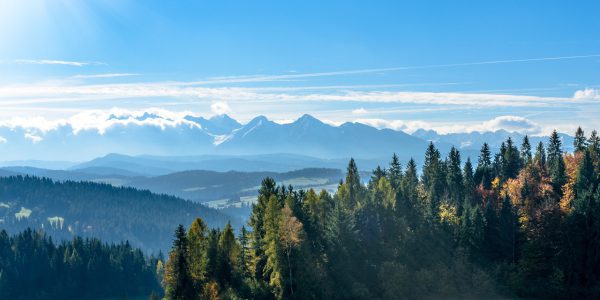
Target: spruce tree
353 183
483 172
586 179
556 164
228 252
433 177
454 178
377 174
511 161
468 181
579 142
180 285
526 151
245 254
395 173
594 142
540 155
410 192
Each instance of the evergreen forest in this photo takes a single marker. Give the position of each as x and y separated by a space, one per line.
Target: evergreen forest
521 223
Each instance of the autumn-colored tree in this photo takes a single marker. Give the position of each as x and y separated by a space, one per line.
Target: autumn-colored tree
197 247
291 236
210 291
572 162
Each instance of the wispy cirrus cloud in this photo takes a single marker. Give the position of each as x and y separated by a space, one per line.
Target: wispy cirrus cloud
282 77
43 93
104 75
55 62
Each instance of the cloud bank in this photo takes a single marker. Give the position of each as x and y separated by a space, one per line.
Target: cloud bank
587 94
508 123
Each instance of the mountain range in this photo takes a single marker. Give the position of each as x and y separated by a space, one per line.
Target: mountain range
156 134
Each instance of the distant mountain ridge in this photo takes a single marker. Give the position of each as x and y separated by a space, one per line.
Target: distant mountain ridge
474 140
163 135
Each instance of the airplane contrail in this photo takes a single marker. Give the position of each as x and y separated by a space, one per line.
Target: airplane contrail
263 78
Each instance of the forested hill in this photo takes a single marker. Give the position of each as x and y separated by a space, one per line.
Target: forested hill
34 267
521 223
65 209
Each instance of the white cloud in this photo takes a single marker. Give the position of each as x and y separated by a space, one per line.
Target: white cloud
587 94
284 121
101 121
3 140
508 123
360 111
55 62
33 137
106 75
406 126
43 93
220 107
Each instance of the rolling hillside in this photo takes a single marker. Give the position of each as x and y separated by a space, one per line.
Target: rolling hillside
65 209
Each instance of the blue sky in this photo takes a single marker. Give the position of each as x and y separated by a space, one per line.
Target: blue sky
446 65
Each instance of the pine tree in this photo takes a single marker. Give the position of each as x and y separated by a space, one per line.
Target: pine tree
341 244
469 181
256 221
579 142
228 252
586 179
395 173
212 255
197 247
594 142
377 174
454 177
507 231
408 202
433 176
353 183
556 164
245 252
483 172
179 284
511 162
526 151
540 155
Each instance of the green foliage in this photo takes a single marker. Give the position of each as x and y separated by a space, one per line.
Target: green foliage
178 280
498 232
484 173
556 164
526 151
32 266
579 142
88 209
